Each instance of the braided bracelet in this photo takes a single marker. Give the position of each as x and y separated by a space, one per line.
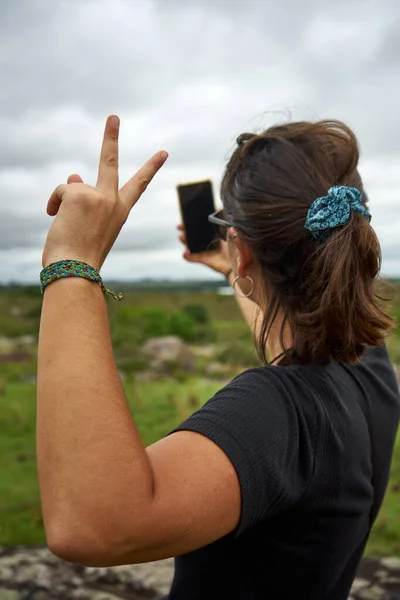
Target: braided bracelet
73 268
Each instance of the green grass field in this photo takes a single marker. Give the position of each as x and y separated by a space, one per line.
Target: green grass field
158 406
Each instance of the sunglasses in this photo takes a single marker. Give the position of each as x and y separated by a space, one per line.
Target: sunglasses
221 225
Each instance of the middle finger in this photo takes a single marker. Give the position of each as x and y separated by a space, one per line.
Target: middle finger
108 166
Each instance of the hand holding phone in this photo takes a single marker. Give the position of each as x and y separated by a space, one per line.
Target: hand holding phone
217 260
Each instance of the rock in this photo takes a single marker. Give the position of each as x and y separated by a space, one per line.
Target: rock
380 579
169 351
391 563
15 357
25 340
373 592
359 584
9 595
36 574
32 571
204 351
166 348
150 376
11 343
6 343
32 379
217 369
122 375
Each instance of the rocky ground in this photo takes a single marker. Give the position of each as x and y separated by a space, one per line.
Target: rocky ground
35 574
377 579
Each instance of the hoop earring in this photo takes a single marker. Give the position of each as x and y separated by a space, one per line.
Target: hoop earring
234 282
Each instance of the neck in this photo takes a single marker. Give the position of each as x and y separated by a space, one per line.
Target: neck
274 345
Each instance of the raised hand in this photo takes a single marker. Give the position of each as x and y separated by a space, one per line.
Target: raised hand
88 219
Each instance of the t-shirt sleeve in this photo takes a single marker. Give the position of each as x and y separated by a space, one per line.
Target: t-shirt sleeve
256 421
377 361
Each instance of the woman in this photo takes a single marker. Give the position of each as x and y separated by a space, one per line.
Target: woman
270 489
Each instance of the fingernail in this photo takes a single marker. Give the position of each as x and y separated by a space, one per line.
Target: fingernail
163 155
114 121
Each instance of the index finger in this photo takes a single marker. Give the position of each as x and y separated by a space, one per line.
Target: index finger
107 178
134 188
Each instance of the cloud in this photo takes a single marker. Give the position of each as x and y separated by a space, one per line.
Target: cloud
187 76
24 231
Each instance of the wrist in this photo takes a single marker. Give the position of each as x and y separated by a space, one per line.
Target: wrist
93 262
223 267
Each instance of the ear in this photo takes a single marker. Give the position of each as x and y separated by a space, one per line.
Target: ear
244 255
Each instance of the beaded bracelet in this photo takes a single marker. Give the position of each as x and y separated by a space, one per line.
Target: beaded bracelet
73 268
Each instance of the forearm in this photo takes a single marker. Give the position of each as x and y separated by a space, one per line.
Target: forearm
85 433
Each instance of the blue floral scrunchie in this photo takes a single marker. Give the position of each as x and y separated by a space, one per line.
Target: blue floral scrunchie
334 209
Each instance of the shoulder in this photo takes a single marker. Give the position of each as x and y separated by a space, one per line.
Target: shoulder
273 389
259 424
274 381
376 366
260 391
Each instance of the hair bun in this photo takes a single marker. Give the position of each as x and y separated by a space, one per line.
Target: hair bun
245 137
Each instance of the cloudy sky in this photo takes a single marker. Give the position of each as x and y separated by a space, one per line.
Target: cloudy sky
187 76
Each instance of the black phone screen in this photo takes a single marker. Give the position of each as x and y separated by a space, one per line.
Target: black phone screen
197 202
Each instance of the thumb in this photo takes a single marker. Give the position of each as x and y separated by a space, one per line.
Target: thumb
74 179
200 257
187 255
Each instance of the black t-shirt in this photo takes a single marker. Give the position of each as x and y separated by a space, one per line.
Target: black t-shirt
299 441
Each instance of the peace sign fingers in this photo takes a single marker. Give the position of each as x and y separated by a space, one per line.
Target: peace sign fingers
91 218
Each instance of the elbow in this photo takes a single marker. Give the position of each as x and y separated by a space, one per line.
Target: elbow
73 547
89 547
64 549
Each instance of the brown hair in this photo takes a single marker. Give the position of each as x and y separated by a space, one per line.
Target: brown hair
326 289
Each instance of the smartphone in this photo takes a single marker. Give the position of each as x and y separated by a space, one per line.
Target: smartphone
196 201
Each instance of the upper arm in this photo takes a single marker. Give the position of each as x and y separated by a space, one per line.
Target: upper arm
231 464
196 500
196 496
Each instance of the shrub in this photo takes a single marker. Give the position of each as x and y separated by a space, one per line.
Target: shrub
134 362
206 333
239 353
34 312
142 323
197 312
182 325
